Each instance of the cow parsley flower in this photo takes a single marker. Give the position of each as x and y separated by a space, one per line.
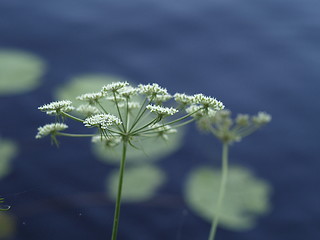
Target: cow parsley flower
51 128
114 87
208 102
102 121
91 98
230 130
55 108
151 90
183 98
261 118
161 111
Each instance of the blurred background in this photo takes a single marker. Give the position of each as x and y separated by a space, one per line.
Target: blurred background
252 55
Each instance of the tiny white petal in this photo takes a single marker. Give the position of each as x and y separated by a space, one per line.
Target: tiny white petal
54 108
115 86
91 97
50 128
183 98
151 89
164 111
101 120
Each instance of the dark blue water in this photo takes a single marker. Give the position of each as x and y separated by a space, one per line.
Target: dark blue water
253 55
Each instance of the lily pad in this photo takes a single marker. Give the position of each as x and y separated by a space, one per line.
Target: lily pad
148 149
8 150
7 225
246 197
140 183
20 71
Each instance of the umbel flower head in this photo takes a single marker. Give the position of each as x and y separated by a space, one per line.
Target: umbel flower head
51 128
230 130
102 121
55 108
121 111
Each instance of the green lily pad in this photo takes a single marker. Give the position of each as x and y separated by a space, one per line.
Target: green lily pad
7 226
149 149
140 183
246 197
19 71
8 150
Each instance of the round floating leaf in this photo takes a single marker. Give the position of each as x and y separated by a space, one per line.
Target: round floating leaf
246 196
7 225
19 71
148 149
8 150
140 183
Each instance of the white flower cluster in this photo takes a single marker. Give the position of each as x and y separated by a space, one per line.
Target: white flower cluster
114 87
261 118
91 97
55 108
87 110
51 128
161 111
102 121
152 90
208 102
242 120
183 98
198 111
232 130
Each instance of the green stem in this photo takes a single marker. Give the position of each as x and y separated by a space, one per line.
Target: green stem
118 201
75 135
72 117
140 114
222 189
119 113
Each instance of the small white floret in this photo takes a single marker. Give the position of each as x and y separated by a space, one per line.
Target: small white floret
183 98
151 89
261 118
102 121
51 128
208 102
55 108
115 86
162 111
91 97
